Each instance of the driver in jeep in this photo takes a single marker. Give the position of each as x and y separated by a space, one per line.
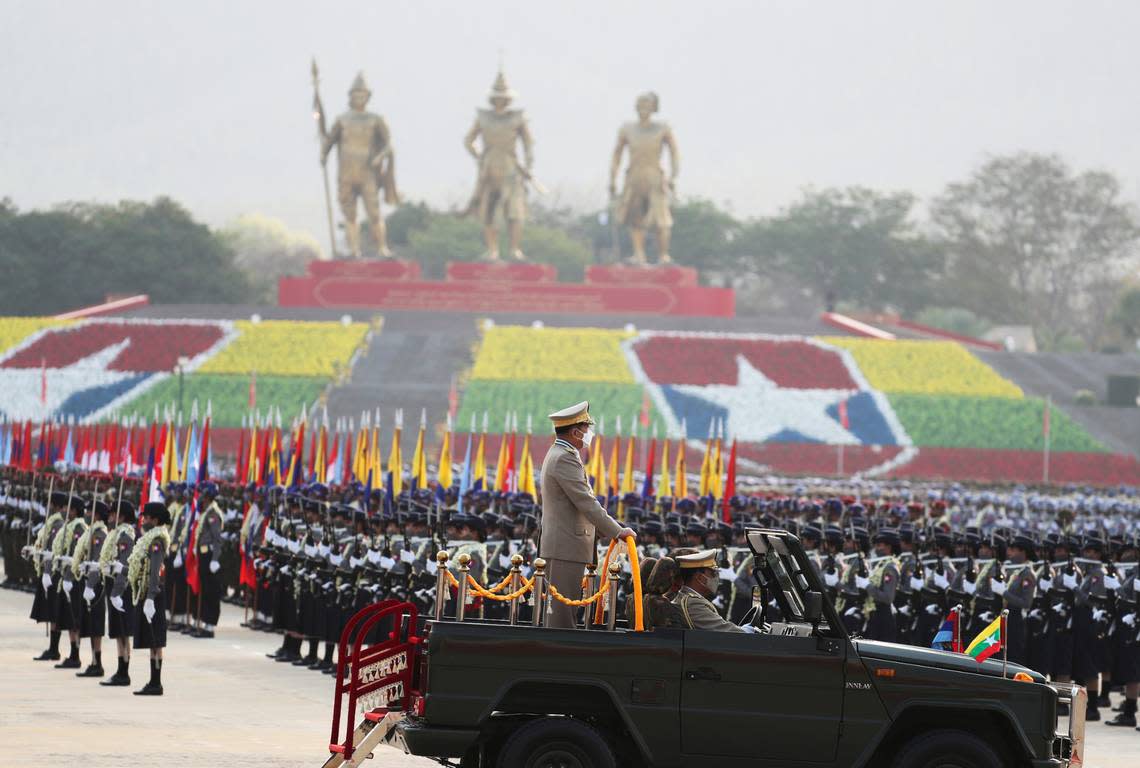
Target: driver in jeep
700 577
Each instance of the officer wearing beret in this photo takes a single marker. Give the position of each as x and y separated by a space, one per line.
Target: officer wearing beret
571 514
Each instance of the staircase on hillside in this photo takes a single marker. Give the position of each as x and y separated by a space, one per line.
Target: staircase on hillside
408 365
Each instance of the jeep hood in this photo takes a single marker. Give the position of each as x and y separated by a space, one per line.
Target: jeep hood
928 657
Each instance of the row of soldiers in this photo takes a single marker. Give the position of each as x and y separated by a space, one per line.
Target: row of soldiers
303 560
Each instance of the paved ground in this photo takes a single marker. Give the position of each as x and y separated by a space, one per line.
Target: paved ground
225 704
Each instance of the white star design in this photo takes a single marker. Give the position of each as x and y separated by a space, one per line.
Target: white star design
23 385
758 408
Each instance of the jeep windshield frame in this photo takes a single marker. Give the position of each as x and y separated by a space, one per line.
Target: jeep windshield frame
782 569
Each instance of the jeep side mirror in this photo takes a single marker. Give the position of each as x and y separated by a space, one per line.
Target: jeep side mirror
813 606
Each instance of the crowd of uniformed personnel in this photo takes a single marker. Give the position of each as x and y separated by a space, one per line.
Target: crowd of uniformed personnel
301 560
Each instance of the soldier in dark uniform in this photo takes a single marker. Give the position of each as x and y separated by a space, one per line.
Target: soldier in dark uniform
68 595
113 567
144 578
1018 591
207 546
43 604
1090 625
881 586
177 591
93 609
933 599
1126 659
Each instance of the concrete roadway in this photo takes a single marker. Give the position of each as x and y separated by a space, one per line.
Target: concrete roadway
225 704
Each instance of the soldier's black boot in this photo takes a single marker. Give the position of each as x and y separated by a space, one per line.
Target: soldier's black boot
310 658
72 661
52 652
120 677
1103 700
280 651
94 669
292 649
1127 714
154 687
327 661
1092 714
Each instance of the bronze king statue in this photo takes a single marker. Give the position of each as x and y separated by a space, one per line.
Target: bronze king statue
644 200
500 191
365 165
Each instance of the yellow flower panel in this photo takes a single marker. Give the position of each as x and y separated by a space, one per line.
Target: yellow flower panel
520 353
925 367
289 348
13 330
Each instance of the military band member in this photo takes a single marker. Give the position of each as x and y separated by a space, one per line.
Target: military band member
113 566
571 513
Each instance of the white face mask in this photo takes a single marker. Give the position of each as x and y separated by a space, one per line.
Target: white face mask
588 437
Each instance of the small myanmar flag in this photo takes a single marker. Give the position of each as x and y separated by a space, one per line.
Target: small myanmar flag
987 643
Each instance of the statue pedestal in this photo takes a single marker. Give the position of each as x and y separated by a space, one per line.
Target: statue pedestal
609 274
494 288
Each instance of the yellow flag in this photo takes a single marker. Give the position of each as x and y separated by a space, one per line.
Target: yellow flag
526 470
598 466
396 463
716 470
682 489
251 472
479 475
445 459
706 467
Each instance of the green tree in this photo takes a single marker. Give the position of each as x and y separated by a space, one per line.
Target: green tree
1126 314
266 250
851 245
1030 240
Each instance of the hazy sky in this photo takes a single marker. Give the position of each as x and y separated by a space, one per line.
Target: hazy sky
208 102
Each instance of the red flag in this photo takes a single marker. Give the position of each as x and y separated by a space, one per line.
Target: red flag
26 456
192 579
204 455
346 475
843 420
730 482
241 457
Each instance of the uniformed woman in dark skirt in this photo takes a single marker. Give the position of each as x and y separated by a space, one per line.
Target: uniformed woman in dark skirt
145 577
121 609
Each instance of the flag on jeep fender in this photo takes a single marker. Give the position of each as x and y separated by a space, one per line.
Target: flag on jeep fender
947 637
988 642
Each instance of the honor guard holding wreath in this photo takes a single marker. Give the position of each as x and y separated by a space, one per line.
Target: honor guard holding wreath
571 514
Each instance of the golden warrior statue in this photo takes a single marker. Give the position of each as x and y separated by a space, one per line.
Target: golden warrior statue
501 187
644 200
365 164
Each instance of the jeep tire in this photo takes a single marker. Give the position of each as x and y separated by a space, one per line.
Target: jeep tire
552 742
947 748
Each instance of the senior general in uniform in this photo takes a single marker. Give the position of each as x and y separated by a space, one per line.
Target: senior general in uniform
571 514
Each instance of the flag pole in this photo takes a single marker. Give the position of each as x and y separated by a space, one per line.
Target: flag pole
958 628
1004 644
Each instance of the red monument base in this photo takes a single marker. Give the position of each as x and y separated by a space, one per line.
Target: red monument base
507 287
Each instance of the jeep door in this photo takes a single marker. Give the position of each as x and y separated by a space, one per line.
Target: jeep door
766 698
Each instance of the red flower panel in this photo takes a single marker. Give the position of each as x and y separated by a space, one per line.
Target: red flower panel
1004 466
153 346
814 459
702 361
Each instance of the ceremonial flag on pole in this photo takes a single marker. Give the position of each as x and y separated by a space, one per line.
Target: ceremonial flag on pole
419 458
988 642
526 466
647 485
730 483
465 475
716 467
612 478
682 483
665 483
479 475
948 637
706 462
443 474
395 482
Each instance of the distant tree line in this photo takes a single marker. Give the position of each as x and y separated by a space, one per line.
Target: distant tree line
1024 240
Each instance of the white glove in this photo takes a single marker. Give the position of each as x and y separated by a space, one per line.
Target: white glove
67 585
386 563
916 583
1059 608
749 629
117 603
969 587
215 566
1097 614
285 571
941 581
831 579
46 580
1045 585
178 560
1129 619
117 567
997 587
1069 580
986 617
88 594
1111 582
851 611
46 557
933 610
64 560
861 582
148 610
